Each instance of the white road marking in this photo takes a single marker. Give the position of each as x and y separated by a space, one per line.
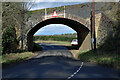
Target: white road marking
75 72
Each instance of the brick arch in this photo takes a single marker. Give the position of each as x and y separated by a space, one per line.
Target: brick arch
82 30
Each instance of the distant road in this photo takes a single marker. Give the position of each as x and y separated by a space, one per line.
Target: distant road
54 50
57 66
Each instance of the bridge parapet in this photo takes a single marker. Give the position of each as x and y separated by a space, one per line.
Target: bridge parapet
70 16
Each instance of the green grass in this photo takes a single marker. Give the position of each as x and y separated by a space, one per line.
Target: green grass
15 57
67 38
54 42
107 59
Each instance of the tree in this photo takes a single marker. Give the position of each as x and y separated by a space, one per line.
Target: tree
25 7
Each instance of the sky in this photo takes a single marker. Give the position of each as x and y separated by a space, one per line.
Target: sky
43 5
53 29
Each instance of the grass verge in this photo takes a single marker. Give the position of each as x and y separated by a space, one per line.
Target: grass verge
107 59
65 43
15 57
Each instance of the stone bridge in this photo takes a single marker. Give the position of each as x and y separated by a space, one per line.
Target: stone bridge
77 23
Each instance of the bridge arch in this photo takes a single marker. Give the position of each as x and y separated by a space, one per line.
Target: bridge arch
82 30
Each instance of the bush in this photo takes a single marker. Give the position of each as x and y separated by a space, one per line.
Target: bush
37 47
9 42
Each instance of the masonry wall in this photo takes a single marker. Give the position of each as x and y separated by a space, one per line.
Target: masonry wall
105 29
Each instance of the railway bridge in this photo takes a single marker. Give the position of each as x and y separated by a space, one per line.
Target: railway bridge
77 23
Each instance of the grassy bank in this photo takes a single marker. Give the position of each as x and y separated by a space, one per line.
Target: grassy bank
65 43
107 59
16 57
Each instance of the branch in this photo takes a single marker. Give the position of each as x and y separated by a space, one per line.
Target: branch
26 6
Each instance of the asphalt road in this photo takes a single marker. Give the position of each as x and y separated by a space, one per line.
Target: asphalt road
58 63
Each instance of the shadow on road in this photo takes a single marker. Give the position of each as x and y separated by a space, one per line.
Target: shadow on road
45 67
58 67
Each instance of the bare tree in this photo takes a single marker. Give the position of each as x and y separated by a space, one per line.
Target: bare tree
25 7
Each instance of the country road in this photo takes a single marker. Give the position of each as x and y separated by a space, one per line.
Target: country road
56 61
54 50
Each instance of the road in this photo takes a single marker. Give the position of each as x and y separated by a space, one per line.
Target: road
54 50
58 63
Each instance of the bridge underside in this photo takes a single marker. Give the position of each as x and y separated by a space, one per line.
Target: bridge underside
81 30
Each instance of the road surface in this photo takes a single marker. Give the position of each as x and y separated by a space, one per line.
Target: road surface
58 63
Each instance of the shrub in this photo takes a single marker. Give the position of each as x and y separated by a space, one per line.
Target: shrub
9 42
37 47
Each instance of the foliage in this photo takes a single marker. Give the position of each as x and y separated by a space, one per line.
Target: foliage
9 42
37 47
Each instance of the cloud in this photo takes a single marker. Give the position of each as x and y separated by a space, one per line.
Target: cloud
43 5
54 29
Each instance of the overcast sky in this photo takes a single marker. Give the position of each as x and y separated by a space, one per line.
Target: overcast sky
53 28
